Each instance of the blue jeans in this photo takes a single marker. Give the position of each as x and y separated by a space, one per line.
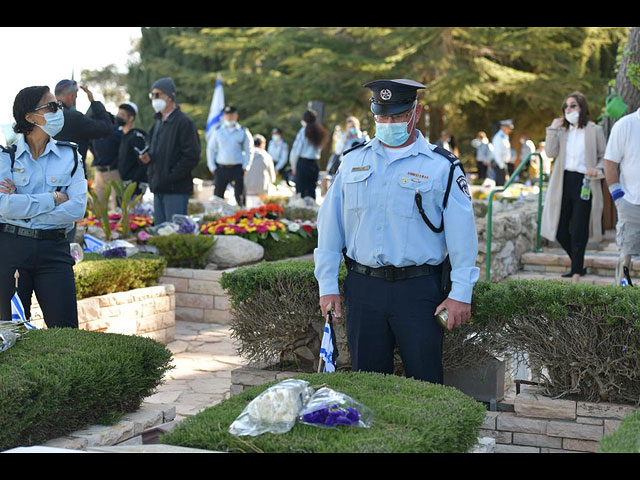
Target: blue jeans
166 205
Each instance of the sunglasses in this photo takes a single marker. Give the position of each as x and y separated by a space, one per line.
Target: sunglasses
53 106
154 95
571 105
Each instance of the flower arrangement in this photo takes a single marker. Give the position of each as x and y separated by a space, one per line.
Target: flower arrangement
253 224
136 222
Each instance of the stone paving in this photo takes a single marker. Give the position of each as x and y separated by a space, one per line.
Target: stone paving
203 356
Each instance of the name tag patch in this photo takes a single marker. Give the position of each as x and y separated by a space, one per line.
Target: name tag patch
462 184
361 169
419 175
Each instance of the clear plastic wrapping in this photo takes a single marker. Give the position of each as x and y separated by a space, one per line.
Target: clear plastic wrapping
329 409
273 411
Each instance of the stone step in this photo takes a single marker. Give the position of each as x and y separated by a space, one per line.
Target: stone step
601 262
590 279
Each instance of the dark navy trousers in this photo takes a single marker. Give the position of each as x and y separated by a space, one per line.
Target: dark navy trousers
380 313
46 267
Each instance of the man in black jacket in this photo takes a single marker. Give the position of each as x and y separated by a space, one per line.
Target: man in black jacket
174 151
79 128
134 142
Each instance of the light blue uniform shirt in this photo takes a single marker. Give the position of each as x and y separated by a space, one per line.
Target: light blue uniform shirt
33 206
370 210
302 147
279 152
230 147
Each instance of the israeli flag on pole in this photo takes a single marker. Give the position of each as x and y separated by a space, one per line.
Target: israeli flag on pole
91 243
17 311
215 111
326 349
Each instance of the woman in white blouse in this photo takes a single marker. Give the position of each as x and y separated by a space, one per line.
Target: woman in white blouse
578 146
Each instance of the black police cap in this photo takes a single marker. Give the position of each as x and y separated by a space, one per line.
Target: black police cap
230 109
393 96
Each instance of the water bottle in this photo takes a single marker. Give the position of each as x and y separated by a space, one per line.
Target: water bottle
585 191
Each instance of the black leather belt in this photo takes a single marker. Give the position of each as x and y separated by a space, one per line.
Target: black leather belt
391 273
57 234
229 166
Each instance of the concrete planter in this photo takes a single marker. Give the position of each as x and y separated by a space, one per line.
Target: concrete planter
147 312
198 295
484 383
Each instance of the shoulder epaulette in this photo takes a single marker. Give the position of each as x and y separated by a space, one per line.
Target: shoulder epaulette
354 148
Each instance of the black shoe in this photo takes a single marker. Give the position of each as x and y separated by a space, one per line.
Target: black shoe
569 274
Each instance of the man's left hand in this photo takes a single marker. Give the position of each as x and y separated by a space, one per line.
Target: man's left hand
459 312
88 92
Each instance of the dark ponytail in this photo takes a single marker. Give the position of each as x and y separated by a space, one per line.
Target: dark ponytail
315 132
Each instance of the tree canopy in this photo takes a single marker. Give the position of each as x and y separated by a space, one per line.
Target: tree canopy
476 76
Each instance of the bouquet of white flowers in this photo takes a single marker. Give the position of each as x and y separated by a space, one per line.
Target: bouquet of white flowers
275 410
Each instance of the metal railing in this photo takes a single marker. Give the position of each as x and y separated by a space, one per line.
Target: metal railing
502 189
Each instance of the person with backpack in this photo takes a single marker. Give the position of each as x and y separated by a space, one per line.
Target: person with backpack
43 192
397 210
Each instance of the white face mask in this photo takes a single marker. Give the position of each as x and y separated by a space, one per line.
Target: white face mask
158 104
572 117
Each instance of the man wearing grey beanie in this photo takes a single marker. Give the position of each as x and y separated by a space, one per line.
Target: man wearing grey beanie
174 150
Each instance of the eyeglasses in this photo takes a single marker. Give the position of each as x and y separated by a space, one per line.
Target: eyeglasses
154 95
53 106
393 118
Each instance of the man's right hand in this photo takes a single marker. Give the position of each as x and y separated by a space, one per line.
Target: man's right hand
331 303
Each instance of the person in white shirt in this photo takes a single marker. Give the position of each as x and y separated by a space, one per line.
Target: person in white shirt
622 170
260 175
578 147
501 152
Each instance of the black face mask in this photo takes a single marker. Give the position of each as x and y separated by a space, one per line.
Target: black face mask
121 122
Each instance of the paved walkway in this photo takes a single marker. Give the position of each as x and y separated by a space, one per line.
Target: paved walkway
203 356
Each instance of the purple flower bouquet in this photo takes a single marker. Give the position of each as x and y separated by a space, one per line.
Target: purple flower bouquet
329 409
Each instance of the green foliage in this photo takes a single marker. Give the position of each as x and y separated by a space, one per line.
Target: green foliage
626 438
409 416
105 276
184 251
127 202
585 336
100 208
475 75
290 246
56 381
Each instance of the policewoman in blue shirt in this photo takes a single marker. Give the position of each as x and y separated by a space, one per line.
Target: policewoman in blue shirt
373 215
305 153
43 192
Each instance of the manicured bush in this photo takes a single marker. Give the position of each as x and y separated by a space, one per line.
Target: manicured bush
289 246
97 275
409 416
585 339
184 251
56 381
626 438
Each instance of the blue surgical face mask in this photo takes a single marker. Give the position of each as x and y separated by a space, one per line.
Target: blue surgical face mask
55 122
353 131
394 134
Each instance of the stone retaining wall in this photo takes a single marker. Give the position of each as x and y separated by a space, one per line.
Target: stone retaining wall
544 425
514 230
199 297
146 312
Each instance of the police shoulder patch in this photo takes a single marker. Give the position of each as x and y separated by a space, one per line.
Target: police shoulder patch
462 184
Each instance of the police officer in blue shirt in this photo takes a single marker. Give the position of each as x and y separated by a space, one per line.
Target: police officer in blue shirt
389 213
43 192
230 155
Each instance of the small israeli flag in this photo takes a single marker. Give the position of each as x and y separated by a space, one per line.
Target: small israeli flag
17 312
327 348
215 111
91 243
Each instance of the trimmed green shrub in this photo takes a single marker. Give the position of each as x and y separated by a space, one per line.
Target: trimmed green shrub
184 251
626 438
97 275
56 381
583 339
289 247
409 416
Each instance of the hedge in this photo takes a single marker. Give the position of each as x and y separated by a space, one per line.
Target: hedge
184 251
97 275
583 339
626 438
56 381
409 416
291 246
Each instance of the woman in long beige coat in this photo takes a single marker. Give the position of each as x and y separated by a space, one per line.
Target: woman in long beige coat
578 147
